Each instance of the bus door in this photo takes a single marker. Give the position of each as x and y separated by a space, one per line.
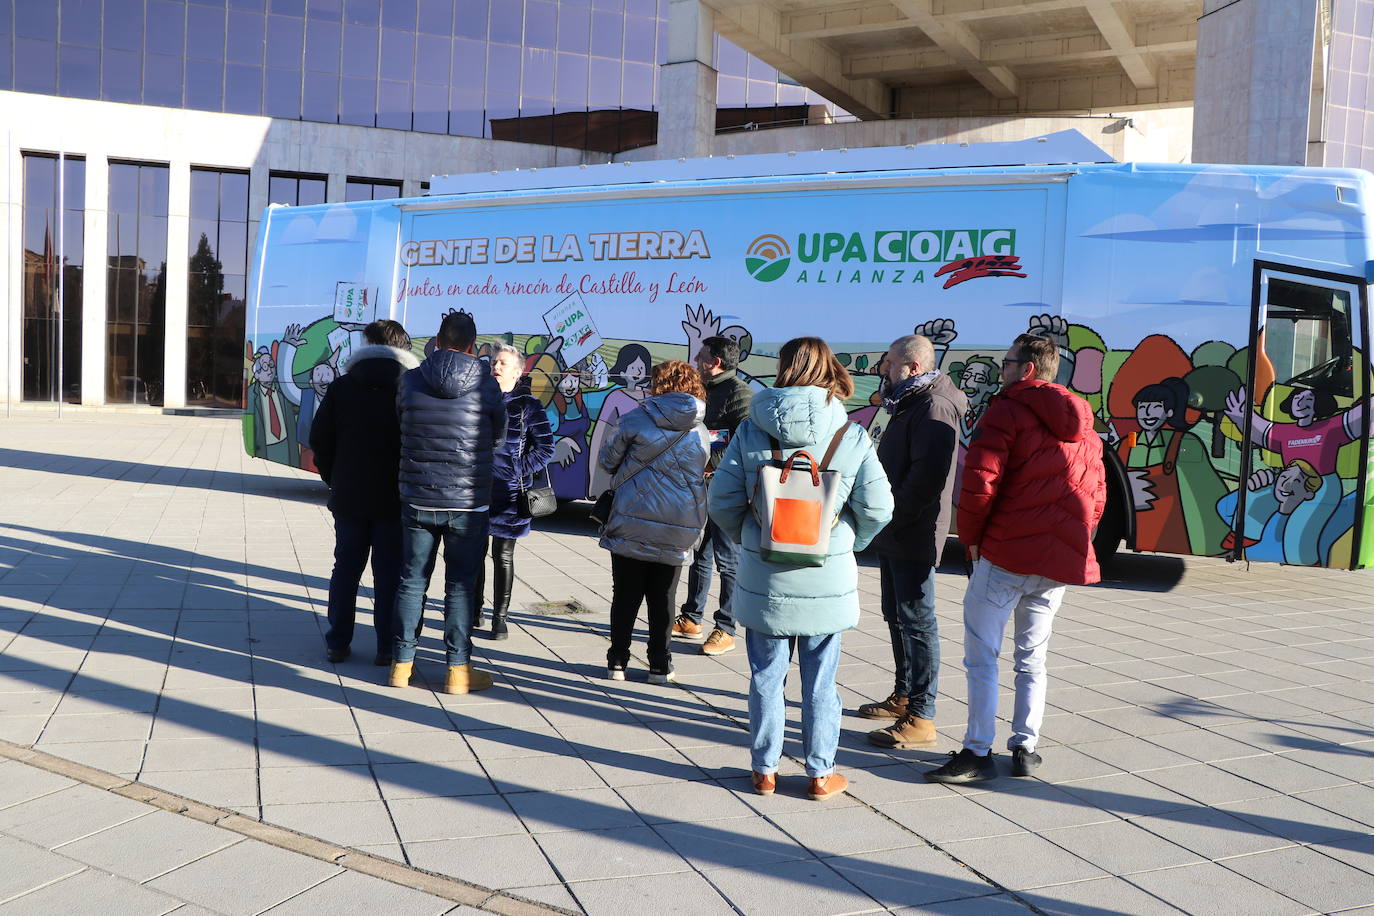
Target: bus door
1301 487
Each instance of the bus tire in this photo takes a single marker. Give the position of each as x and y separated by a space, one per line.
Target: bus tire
1111 530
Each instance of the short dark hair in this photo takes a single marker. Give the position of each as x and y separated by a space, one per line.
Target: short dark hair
457 331
387 333
1324 404
1040 352
724 349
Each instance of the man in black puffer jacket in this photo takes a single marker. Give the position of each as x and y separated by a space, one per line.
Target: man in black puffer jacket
357 444
452 415
918 453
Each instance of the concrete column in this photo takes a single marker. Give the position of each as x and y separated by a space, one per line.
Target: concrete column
1253 88
12 270
178 266
336 188
94 275
687 84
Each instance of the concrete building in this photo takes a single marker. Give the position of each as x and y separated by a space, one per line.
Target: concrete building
144 137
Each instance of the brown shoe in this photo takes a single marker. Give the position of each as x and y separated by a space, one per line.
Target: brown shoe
400 674
894 707
906 732
466 679
765 783
684 626
718 643
827 787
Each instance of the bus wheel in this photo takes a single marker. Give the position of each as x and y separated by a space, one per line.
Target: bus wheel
1111 530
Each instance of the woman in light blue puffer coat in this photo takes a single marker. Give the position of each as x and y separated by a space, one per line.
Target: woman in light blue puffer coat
656 458
799 608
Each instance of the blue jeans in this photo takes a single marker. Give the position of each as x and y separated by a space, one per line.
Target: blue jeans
464 536
354 539
769 658
718 549
909 609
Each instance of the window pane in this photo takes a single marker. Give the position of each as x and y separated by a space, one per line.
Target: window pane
311 191
123 188
232 250
36 20
256 6
469 64
571 85
398 51
166 26
359 51
604 90
162 80
503 74
233 196
321 97
80 22
282 98
287 7
79 72
152 190
431 58
204 195
393 105
6 63
470 19
331 10
121 72
245 42
322 41
243 89
541 24
35 66
204 84
538 82
285 42
282 190
357 190
606 34
205 33
431 108
436 17
638 88
358 101
639 39
363 12
506 23
398 14
465 117
574 29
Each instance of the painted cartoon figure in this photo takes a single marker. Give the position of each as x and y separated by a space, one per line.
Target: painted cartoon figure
1174 486
305 399
1317 433
570 420
630 375
274 424
701 324
1282 517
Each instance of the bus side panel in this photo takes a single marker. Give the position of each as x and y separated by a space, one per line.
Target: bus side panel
322 273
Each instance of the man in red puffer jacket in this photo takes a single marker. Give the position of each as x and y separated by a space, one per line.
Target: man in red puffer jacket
1033 490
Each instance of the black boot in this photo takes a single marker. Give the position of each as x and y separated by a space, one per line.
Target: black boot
503 576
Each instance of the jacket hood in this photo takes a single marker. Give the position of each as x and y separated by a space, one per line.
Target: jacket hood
797 416
1067 416
675 410
452 374
407 359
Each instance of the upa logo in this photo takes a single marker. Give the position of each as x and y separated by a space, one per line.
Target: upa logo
767 258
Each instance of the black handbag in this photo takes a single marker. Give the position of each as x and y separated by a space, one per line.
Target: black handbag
533 502
601 509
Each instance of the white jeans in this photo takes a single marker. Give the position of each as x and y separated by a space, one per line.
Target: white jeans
993 595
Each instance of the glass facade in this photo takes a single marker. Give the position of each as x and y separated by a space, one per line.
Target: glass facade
54 254
217 276
1350 86
371 189
136 284
462 67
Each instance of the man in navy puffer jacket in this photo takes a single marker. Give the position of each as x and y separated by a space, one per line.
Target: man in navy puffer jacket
452 416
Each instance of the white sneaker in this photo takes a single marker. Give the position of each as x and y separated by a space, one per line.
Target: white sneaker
615 672
663 677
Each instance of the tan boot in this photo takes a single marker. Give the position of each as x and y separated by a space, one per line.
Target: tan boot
894 707
466 679
400 674
824 788
907 732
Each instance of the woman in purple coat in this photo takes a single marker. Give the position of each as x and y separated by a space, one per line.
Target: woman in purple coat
519 463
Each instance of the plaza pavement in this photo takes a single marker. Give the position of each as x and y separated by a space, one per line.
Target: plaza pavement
1209 746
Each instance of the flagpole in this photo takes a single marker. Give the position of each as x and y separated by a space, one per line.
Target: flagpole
61 264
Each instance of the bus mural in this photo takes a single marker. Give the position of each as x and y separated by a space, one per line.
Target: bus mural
1194 307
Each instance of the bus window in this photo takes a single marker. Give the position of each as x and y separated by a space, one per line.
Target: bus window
1307 336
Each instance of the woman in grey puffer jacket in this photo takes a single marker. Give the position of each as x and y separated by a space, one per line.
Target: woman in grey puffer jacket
658 514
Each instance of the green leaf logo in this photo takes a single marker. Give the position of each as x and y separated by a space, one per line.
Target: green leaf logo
767 258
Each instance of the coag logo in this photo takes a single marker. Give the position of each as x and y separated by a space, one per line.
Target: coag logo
767 258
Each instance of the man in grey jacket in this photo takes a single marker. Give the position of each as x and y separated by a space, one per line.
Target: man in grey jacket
727 406
918 453
452 415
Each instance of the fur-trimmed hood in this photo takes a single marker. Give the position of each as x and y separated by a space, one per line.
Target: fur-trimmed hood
407 359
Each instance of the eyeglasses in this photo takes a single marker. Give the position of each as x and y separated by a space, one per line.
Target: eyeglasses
1014 362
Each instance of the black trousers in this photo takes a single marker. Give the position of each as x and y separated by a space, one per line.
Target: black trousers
503 576
636 582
